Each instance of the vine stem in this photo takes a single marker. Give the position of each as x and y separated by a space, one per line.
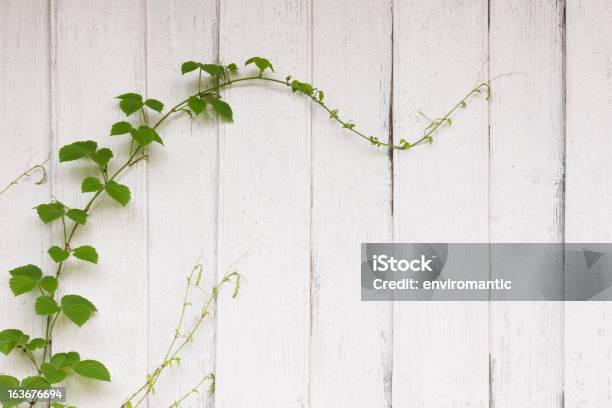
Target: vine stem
172 353
133 158
194 390
27 173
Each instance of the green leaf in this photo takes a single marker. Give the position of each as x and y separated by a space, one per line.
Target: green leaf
86 253
129 106
49 284
77 309
29 271
36 343
50 212
20 285
45 306
52 374
154 104
261 63
188 67
76 215
77 150
196 104
9 339
24 279
131 96
8 381
118 192
222 108
92 369
232 67
65 360
144 135
120 128
35 383
102 156
91 185
58 254
303 87
212 69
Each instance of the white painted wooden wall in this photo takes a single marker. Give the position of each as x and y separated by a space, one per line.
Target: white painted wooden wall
292 196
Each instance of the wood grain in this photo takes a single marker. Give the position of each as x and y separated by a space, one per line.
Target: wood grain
351 340
25 140
526 192
588 338
264 221
182 186
98 53
440 195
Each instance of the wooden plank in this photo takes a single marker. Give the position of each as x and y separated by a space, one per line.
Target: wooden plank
25 140
440 349
98 54
263 337
182 192
351 340
588 338
526 195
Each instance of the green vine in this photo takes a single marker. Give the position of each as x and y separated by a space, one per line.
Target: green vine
40 168
54 367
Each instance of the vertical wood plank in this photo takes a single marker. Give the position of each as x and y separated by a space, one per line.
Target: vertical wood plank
351 340
588 337
99 53
527 170
440 349
25 141
263 336
182 183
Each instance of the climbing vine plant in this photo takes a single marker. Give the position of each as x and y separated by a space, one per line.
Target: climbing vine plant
143 130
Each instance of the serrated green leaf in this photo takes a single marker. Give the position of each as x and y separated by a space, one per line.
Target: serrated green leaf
36 343
223 109
261 63
212 69
188 67
144 135
77 150
9 339
303 87
77 309
49 284
50 212
129 106
118 192
102 156
86 253
120 128
92 369
132 96
58 254
65 360
24 279
196 104
76 215
154 104
29 271
91 185
35 383
45 306
20 285
52 374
